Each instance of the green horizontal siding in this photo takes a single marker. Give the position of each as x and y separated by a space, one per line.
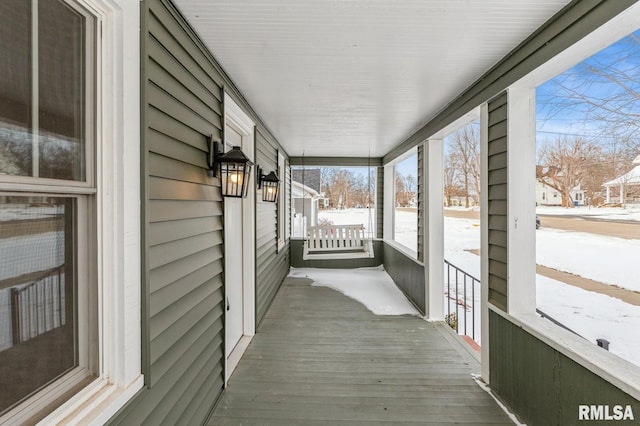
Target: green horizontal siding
408 274
183 315
271 265
540 384
497 190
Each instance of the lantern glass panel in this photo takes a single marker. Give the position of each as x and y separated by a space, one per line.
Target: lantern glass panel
269 191
234 179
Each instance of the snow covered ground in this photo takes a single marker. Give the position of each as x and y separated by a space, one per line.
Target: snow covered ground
373 287
592 315
364 216
609 260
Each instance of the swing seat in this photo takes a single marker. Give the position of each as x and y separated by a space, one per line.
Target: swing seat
337 242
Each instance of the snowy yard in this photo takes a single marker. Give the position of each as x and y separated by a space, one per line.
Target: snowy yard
592 315
606 259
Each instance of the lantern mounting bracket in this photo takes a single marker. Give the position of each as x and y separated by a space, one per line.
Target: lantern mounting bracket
213 155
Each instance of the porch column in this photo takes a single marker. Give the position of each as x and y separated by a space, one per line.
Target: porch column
484 242
433 244
521 201
608 195
621 194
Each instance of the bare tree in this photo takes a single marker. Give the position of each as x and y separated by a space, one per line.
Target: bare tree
411 184
465 143
450 182
564 163
604 90
400 192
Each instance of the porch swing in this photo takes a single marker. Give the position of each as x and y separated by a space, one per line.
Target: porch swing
332 242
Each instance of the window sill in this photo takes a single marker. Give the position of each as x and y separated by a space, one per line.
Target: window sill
619 372
95 404
403 249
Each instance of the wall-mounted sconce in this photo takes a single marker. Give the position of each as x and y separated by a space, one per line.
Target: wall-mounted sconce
234 169
269 185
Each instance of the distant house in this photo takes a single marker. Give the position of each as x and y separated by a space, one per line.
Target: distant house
631 178
304 208
548 196
308 177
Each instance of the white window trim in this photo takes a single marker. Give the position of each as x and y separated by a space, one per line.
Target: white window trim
235 116
118 218
283 221
617 371
389 211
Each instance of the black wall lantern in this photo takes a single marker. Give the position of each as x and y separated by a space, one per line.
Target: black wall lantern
234 170
269 185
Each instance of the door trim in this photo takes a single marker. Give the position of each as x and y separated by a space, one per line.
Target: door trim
236 117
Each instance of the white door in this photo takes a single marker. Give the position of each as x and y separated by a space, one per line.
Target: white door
239 244
234 265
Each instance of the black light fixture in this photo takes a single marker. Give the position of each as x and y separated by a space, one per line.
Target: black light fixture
269 185
234 170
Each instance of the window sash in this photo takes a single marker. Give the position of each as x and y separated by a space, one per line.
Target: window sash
86 239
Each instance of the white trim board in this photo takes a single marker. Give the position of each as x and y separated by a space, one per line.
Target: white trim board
237 118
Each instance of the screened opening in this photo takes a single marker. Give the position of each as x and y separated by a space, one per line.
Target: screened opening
588 198
461 184
333 196
38 247
405 198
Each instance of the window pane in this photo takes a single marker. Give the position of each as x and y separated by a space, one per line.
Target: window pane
405 229
37 291
61 66
15 88
42 122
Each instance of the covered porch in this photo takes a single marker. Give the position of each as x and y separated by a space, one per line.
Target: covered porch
321 357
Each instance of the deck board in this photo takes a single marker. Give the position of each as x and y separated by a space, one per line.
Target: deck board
321 358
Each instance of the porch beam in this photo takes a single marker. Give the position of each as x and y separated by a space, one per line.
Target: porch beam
433 244
336 161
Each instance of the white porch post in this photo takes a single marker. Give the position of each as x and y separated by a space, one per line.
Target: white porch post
521 196
608 194
433 244
621 194
484 242
389 203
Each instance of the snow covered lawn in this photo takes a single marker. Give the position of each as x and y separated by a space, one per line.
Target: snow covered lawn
609 260
592 315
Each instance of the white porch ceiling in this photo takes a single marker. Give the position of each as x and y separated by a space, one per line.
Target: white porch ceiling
347 77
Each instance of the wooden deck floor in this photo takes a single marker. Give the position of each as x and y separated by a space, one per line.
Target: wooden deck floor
321 358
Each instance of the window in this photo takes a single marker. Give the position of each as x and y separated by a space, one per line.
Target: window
47 299
283 217
405 222
62 307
